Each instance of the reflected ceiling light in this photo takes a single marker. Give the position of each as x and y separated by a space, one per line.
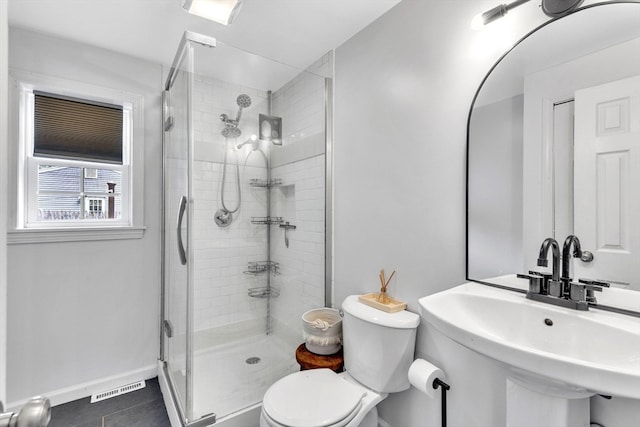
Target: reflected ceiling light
495 13
552 8
221 11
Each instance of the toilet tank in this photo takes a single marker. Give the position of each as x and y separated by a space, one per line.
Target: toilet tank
378 346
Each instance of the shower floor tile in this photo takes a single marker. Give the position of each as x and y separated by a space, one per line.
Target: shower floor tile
228 379
140 408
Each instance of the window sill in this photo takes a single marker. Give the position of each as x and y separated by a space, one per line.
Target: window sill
52 235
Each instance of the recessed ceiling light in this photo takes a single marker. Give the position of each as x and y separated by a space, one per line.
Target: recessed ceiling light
221 11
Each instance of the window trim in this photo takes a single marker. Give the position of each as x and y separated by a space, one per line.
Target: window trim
21 229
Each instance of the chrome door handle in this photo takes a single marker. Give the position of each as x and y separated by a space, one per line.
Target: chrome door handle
586 256
35 413
181 250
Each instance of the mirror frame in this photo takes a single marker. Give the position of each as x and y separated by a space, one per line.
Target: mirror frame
475 97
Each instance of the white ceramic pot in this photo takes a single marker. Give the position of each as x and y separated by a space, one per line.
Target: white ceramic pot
322 330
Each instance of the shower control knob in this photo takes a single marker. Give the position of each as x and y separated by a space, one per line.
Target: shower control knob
222 218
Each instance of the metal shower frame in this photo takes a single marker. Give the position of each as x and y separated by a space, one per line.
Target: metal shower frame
191 37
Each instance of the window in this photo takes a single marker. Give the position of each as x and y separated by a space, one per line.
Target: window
75 152
76 157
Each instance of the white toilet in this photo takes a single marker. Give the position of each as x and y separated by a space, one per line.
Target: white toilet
378 350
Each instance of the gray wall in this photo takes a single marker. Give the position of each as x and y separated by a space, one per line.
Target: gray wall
495 189
80 312
403 90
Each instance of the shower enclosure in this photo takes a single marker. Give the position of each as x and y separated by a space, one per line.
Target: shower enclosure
245 242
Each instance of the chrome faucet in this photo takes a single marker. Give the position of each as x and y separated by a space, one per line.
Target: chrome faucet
566 248
571 240
542 257
554 286
553 289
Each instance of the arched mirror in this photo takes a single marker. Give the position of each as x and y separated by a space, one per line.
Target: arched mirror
554 148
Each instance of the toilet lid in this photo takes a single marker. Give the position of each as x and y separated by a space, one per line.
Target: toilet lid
313 398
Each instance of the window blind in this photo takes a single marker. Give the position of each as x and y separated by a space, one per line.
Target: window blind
76 129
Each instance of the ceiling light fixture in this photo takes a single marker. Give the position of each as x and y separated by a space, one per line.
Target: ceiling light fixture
495 13
552 8
221 11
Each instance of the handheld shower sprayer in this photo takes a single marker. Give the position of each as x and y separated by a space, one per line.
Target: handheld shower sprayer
243 101
223 216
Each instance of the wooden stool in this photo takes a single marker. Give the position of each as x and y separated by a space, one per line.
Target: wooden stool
308 360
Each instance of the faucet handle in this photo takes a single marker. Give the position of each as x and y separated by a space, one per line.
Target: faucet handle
540 274
536 281
583 291
577 292
595 284
591 286
546 278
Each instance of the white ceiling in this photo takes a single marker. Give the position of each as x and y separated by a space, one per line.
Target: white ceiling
296 32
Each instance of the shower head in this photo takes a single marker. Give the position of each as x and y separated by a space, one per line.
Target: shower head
243 101
231 125
231 131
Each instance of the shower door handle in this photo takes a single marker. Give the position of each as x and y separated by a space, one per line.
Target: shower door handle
181 209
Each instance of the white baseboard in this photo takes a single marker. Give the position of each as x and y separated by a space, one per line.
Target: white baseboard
383 423
79 391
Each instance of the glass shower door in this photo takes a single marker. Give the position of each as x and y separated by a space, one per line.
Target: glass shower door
177 273
234 291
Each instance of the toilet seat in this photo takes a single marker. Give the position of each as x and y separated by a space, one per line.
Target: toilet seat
273 423
313 398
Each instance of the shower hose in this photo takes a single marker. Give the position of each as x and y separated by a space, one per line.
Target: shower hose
224 178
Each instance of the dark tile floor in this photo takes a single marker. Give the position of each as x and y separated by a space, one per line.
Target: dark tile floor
140 408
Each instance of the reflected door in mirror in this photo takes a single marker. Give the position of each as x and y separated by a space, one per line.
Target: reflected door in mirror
607 178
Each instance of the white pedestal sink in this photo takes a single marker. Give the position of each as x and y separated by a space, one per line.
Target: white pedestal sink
528 408
557 357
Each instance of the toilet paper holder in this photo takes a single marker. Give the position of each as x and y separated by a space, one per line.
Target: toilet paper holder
426 377
445 387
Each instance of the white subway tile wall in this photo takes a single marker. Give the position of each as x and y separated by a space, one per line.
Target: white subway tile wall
300 199
222 254
301 278
302 102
